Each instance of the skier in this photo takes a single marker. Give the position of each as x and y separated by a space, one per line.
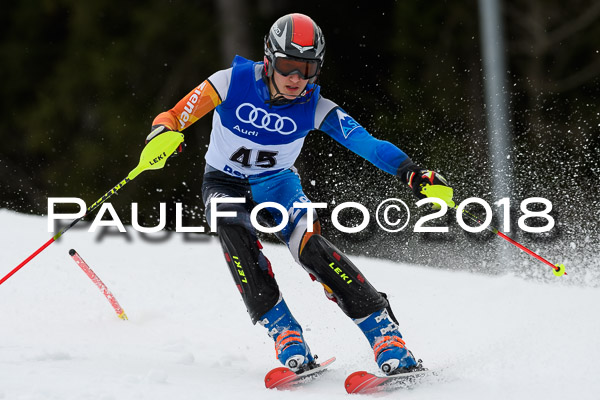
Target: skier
264 110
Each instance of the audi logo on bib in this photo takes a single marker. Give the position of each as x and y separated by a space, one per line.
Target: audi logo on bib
261 119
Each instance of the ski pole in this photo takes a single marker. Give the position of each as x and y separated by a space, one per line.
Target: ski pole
154 156
445 194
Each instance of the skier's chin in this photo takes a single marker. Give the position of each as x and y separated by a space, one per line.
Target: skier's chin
291 93
290 96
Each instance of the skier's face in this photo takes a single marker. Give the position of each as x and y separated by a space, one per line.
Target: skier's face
290 86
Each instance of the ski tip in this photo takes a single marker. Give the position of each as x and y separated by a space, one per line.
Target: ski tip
357 381
72 252
365 382
278 377
327 362
283 378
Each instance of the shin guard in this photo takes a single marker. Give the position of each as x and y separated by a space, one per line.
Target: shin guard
250 269
354 294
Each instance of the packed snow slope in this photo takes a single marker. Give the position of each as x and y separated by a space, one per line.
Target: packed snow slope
188 335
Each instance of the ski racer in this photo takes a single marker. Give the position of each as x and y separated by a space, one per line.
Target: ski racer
264 110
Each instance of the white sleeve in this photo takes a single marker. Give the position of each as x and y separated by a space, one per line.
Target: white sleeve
220 81
324 107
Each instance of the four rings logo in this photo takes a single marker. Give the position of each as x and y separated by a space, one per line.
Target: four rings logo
262 119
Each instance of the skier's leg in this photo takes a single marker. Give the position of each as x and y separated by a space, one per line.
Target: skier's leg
254 278
354 294
290 347
383 334
369 309
342 281
251 270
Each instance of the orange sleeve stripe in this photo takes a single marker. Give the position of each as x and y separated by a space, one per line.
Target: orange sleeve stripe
196 104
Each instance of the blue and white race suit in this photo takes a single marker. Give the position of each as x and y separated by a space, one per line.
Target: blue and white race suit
253 145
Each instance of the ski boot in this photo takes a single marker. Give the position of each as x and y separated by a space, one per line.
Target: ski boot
390 350
290 348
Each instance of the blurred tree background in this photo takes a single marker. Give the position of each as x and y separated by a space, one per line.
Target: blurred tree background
82 82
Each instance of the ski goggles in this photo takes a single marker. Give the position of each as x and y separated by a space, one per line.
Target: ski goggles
285 65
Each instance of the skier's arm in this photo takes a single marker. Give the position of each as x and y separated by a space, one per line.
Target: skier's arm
196 104
335 122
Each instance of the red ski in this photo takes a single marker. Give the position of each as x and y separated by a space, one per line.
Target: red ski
284 378
364 382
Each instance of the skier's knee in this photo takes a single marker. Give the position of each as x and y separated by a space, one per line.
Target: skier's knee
250 269
340 277
301 234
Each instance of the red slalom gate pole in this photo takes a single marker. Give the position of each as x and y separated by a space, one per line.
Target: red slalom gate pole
109 296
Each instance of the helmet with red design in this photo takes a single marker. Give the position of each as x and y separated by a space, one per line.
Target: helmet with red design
295 45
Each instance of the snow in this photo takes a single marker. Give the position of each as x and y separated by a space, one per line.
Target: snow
188 335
